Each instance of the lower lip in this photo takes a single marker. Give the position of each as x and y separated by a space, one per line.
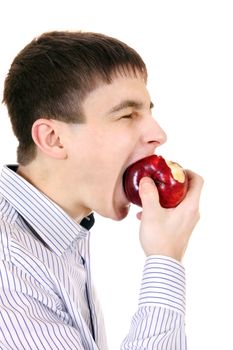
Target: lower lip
125 200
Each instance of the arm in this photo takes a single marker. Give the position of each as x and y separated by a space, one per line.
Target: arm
164 234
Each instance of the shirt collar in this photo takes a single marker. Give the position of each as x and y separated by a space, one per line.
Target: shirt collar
50 222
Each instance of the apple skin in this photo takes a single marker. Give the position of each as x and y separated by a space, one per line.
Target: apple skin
171 190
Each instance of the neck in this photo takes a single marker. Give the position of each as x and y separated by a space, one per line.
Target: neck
56 185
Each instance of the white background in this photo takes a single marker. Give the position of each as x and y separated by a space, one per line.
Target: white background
188 48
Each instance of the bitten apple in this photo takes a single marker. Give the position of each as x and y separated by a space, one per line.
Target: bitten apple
170 178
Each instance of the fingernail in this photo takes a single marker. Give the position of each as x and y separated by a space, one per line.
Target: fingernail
146 182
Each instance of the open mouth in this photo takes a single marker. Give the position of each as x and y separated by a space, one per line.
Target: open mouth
123 180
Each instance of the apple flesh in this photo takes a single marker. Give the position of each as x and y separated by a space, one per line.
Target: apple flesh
170 178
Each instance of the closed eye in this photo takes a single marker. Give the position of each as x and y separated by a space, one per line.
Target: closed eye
127 116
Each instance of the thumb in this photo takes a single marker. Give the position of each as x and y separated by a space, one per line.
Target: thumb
148 194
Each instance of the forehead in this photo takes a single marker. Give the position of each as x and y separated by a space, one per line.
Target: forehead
113 96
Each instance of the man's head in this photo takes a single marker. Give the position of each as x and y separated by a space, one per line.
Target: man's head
80 108
53 74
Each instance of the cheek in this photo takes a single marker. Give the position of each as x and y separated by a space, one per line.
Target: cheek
104 152
103 169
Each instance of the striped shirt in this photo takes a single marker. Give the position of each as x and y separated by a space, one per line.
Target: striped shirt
47 300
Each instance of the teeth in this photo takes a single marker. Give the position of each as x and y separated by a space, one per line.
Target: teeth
177 171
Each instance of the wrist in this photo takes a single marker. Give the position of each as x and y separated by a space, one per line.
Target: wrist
165 257
166 251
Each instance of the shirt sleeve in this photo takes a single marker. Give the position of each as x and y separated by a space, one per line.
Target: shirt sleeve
159 322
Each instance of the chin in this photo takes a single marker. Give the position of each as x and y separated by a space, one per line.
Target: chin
114 213
121 213
120 205
117 214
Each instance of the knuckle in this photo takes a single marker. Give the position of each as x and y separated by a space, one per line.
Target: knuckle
193 211
201 179
198 216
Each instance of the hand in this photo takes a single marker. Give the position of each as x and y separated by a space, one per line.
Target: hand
167 231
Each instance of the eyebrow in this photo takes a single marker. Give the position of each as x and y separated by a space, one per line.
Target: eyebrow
127 104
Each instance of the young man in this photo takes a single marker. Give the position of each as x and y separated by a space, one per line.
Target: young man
81 111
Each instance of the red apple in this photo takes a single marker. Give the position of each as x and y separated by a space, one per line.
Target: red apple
170 178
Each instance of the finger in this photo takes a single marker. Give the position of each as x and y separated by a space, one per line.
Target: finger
194 187
148 194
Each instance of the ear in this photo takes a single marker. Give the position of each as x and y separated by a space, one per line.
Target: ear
46 134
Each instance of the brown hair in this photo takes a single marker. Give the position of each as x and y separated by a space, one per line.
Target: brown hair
52 75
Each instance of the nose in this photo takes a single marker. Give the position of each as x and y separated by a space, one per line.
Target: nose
153 134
